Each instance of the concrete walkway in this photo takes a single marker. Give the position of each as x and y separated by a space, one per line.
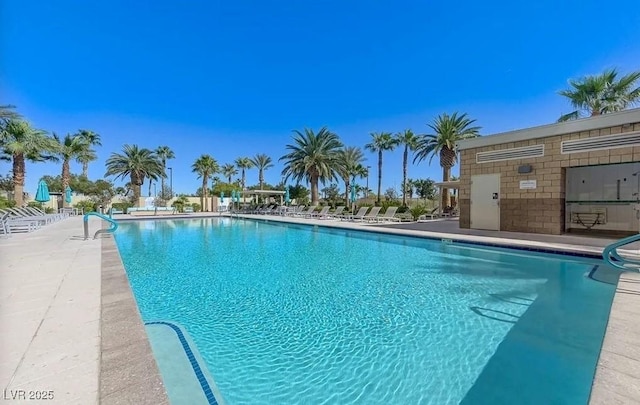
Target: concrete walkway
50 315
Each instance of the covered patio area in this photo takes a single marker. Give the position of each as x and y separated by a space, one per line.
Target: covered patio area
276 195
448 185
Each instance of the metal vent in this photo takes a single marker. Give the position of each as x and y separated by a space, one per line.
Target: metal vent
600 143
510 154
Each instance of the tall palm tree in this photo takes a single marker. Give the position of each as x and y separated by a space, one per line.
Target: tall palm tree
448 130
7 113
228 171
601 94
380 142
243 163
312 157
88 155
205 166
21 142
262 162
164 153
137 163
410 142
70 147
349 161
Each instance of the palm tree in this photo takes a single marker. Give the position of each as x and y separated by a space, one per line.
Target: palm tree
138 164
205 166
262 162
21 142
7 113
349 161
448 129
380 142
601 94
228 171
70 147
88 155
312 157
243 163
410 142
164 153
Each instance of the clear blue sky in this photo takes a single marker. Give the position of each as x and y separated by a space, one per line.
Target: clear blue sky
233 78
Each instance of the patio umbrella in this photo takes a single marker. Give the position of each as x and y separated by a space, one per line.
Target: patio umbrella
287 199
233 196
67 195
222 196
42 195
353 193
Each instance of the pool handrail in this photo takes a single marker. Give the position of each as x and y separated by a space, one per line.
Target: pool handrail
610 253
112 229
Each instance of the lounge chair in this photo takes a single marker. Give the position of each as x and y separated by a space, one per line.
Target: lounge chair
304 214
187 210
323 212
293 211
389 215
358 215
335 214
9 224
433 214
23 214
372 216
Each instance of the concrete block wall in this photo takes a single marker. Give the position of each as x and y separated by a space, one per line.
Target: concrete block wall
540 210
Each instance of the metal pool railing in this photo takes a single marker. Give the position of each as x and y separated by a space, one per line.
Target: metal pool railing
114 225
611 256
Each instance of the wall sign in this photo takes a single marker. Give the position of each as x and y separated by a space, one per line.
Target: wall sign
528 184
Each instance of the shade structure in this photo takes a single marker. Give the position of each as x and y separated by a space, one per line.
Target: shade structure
222 196
353 193
287 199
67 195
42 194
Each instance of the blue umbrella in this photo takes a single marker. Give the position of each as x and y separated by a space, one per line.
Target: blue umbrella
67 195
222 196
353 193
238 196
287 199
42 195
233 196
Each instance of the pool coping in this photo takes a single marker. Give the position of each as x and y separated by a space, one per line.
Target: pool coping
128 370
617 376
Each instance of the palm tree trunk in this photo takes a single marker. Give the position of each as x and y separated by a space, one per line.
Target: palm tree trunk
65 180
404 175
243 178
314 189
85 169
446 175
18 178
203 196
229 179
379 174
346 193
164 172
261 178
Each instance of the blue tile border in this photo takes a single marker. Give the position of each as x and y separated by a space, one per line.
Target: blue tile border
204 384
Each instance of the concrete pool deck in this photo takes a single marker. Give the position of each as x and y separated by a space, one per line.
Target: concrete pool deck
57 291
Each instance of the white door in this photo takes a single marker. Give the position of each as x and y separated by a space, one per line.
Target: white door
485 202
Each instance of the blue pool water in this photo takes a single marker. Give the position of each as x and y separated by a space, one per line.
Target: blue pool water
286 314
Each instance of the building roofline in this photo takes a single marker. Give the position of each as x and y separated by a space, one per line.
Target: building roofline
543 131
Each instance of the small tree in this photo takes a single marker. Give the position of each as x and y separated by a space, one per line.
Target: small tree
391 194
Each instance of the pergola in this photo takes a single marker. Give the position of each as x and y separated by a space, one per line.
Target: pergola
450 185
263 193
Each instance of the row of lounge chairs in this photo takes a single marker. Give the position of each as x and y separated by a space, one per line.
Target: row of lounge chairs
26 219
363 214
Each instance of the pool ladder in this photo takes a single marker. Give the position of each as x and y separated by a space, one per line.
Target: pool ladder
611 256
114 225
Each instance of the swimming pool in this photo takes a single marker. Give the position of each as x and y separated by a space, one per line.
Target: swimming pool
294 314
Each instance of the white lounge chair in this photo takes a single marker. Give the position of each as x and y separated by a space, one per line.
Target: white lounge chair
322 213
335 214
358 215
389 215
372 215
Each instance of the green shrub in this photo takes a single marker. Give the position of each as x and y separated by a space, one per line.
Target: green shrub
5 203
34 204
122 206
196 207
402 209
86 206
49 210
417 211
389 203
